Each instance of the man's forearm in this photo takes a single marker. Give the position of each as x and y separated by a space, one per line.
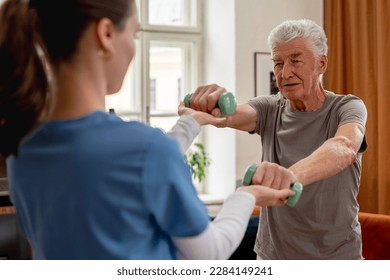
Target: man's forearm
332 157
243 119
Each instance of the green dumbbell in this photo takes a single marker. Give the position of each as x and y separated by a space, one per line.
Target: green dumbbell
296 187
226 103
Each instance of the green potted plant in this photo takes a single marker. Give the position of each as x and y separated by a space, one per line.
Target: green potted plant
198 161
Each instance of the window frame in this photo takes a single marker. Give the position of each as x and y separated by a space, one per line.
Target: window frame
192 70
141 67
145 25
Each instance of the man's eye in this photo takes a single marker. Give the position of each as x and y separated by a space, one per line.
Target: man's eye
277 65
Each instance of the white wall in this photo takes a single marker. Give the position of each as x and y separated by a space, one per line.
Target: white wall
220 68
235 29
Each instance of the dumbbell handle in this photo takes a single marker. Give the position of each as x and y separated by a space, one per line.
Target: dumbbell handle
226 103
296 187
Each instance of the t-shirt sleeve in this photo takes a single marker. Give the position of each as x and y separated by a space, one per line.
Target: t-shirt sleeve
352 109
265 110
168 190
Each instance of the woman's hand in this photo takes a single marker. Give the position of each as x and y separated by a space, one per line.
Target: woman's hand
201 117
266 196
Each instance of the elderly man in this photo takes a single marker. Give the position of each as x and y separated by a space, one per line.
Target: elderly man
309 135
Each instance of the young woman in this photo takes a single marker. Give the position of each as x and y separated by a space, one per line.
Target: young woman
86 184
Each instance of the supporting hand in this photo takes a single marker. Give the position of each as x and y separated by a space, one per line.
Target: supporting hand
201 117
266 196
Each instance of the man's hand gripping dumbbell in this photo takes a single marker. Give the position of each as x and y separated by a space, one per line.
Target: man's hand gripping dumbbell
274 176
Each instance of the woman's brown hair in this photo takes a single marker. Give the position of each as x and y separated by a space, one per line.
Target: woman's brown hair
32 33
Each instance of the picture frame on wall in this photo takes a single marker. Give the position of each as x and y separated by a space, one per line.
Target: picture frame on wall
265 80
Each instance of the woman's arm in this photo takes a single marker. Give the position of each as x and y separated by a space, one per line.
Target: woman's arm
224 234
189 125
184 132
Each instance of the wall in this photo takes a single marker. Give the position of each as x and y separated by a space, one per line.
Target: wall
234 30
220 68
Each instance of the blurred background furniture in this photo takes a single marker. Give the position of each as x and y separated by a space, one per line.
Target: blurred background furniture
13 245
375 235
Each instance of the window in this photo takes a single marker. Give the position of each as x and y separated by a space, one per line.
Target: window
168 14
171 67
166 65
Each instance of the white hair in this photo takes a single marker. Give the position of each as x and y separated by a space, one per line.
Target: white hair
296 29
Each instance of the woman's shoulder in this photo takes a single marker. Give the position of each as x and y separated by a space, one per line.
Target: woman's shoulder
142 135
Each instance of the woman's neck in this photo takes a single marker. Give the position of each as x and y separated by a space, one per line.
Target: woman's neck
78 92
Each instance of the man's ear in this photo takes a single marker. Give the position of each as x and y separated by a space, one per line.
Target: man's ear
323 63
105 32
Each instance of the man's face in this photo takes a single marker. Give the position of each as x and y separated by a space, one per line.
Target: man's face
297 69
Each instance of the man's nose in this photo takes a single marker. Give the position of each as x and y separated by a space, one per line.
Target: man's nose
287 71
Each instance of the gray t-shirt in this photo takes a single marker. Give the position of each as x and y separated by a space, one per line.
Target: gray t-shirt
324 223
